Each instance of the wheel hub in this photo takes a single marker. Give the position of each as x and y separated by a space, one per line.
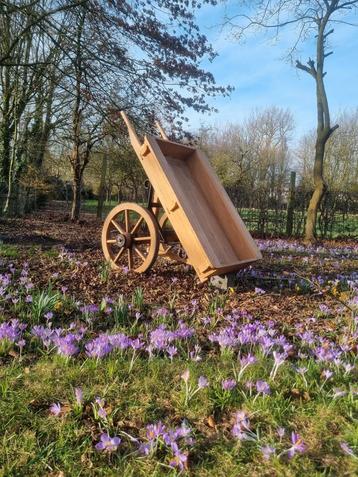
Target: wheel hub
124 240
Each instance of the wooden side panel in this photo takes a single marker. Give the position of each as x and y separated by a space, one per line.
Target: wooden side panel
199 209
199 213
234 229
175 149
171 195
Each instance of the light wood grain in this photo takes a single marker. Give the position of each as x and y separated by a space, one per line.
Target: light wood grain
201 213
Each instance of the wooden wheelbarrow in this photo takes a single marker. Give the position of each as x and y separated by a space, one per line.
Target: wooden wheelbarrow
189 217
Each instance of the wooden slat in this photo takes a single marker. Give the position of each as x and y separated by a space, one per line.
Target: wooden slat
198 207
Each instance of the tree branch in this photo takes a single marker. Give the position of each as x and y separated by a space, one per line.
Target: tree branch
311 70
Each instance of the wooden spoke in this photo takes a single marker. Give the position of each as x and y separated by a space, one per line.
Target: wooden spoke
126 219
141 239
138 252
135 228
118 227
118 255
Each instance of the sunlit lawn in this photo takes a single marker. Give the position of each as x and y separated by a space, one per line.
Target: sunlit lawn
123 388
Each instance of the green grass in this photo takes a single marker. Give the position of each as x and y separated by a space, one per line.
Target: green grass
138 390
90 206
8 251
275 223
35 442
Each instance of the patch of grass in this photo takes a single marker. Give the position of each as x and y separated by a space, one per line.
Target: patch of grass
8 251
154 359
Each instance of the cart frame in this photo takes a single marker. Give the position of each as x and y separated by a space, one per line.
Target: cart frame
207 232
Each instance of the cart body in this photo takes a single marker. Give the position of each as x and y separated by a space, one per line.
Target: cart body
205 221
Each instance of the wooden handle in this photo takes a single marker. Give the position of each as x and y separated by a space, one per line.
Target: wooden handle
132 134
161 130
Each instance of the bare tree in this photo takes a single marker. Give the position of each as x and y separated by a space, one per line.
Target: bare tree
252 160
312 18
140 55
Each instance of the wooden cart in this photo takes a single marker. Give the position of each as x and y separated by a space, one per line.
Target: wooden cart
189 217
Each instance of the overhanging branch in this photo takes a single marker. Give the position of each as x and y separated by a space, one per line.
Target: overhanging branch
310 69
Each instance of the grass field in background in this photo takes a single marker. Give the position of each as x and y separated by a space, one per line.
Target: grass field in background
275 226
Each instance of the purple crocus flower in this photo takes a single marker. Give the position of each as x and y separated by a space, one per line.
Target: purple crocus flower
324 309
163 312
107 443
228 384
203 382
21 344
281 431
89 309
348 368
183 431
262 387
11 330
67 345
179 459
185 376
338 392
247 360
55 408
172 351
327 373
259 291
155 430
79 396
146 448
242 424
267 452
346 449
102 413
99 347
279 358
298 445
301 370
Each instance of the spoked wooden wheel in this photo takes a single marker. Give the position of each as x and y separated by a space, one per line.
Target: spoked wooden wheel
171 248
130 237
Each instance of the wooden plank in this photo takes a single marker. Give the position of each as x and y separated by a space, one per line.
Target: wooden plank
174 149
170 192
198 207
223 209
206 214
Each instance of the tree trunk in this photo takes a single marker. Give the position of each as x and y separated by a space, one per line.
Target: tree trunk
6 131
318 193
102 187
324 129
76 201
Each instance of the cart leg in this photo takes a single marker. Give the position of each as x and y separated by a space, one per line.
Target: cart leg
224 282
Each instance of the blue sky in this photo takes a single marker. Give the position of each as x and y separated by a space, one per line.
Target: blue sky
262 77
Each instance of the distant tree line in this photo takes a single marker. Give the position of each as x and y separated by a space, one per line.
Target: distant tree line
257 161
